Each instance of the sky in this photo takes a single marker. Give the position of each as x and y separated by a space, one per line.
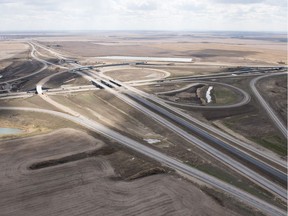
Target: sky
175 15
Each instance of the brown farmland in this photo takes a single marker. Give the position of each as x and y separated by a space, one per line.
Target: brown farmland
87 185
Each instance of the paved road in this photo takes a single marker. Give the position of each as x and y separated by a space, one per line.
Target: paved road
245 100
270 185
259 179
25 95
210 129
34 73
44 62
64 90
215 76
164 159
165 73
178 162
245 71
59 56
190 85
272 114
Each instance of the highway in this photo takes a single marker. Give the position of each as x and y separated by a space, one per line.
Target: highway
245 100
244 197
59 56
257 178
178 90
176 164
229 75
210 129
271 113
244 71
52 91
44 62
34 73
71 89
25 95
214 130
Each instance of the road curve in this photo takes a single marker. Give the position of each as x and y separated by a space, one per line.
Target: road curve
261 152
226 136
166 74
259 179
81 117
209 128
178 90
32 74
247 198
44 62
246 98
249 173
272 114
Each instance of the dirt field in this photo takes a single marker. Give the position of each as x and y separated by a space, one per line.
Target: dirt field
87 185
10 49
274 90
112 112
178 70
202 48
66 79
79 172
31 123
14 60
34 101
135 74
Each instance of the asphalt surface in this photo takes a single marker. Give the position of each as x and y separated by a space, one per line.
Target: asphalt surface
207 127
232 75
259 179
175 164
210 129
34 73
271 113
244 71
268 169
245 100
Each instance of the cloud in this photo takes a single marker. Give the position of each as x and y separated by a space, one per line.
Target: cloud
7 1
239 1
192 6
144 6
143 14
279 3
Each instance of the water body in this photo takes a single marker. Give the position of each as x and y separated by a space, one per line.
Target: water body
136 58
7 131
208 94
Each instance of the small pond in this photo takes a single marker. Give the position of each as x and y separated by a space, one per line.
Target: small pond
7 131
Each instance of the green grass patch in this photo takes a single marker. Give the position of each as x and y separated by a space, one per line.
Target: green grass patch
224 95
243 184
272 142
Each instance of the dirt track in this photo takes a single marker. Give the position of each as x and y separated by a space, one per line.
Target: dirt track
88 186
